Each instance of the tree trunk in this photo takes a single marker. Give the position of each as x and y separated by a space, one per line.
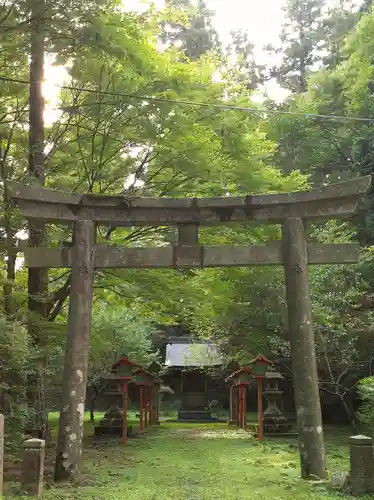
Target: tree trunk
350 414
304 362
92 404
10 253
10 276
37 284
303 83
9 235
92 409
73 394
37 278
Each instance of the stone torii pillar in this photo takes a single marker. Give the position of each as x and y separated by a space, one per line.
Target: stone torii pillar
73 396
303 352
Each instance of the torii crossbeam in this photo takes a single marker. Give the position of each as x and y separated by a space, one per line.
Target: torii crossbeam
332 201
290 210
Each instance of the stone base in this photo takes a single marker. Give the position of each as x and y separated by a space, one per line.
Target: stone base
214 421
195 416
37 433
281 434
252 427
277 429
276 424
112 430
273 429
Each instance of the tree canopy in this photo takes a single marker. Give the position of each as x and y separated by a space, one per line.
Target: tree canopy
138 116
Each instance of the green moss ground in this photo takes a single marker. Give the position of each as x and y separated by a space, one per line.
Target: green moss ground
198 462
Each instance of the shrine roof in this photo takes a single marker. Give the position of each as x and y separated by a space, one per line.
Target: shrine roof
193 354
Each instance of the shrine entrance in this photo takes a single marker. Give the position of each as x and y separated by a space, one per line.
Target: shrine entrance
190 363
294 252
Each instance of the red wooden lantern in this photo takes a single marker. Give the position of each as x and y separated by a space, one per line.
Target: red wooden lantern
239 381
123 371
260 367
145 381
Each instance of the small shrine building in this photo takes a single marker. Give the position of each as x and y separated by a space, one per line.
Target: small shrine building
194 370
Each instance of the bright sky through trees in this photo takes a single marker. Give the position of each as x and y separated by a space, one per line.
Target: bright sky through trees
262 19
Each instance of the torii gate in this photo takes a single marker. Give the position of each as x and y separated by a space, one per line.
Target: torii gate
293 252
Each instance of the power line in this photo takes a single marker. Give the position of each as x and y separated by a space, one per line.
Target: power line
220 106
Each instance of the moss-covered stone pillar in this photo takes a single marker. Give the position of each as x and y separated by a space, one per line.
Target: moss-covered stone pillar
303 353
362 465
74 383
33 467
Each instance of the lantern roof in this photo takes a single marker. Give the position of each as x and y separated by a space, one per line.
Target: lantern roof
274 376
261 359
232 366
143 377
126 361
239 372
143 371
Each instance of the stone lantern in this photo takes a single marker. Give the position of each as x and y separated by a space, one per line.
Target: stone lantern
274 420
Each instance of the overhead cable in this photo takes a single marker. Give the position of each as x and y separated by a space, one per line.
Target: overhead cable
221 106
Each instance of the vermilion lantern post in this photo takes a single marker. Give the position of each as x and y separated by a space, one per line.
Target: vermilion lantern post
239 381
145 381
141 394
124 369
149 405
243 377
154 405
237 414
145 407
260 367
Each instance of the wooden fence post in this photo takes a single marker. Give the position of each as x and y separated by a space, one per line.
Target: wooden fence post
155 403
33 467
232 405
141 409
237 406
260 409
158 404
245 394
124 413
145 396
303 353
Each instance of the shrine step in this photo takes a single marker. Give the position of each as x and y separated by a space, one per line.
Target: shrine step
195 415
